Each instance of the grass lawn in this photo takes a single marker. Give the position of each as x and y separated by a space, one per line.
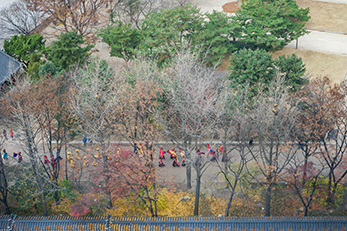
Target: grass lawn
326 15
318 64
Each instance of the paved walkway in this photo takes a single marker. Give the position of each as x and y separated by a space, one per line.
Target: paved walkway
323 42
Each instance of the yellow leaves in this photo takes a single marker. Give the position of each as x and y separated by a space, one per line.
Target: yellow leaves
62 208
170 204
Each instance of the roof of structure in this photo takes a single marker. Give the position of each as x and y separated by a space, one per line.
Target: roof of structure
8 66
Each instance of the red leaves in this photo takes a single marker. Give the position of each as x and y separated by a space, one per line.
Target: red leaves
83 205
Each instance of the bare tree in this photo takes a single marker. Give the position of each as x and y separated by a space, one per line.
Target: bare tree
234 131
192 95
93 97
331 104
134 11
92 100
311 127
303 175
19 108
55 122
79 15
139 101
19 17
273 119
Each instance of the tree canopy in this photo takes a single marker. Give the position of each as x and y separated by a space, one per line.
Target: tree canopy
122 39
256 68
166 31
163 33
272 24
23 47
67 50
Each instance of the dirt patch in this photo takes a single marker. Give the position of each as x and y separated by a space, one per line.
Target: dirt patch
224 63
231 7
325 15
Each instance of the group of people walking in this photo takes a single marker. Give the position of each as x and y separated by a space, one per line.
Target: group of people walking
173 155
4 132
4 155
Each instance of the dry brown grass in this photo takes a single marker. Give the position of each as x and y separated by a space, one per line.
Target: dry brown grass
318 64
326 15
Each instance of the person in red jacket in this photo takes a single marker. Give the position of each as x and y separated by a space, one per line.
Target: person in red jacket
161 153
20 158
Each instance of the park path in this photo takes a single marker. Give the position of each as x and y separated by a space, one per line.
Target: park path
323 41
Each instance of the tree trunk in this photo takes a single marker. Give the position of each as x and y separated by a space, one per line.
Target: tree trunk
66 175
306 211
197 194
329 197
268 200
189 175
229 203
333 192
4 201
56 193
44 204
7 208
225 147
304 176
39 183
155 201
43 198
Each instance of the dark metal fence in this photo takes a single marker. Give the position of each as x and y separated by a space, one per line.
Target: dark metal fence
12 223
